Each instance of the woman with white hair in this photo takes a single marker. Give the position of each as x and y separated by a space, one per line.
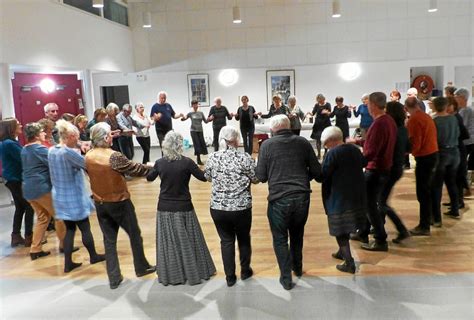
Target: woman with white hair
365 117
231 173
106 169
71 200
143 134
182 254
296 115
112 111
343 192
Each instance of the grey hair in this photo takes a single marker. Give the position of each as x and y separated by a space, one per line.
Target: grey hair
462 92
279 122
99 133
49 105
112 107
331 133
217 98
138 104
292 97
32 130
160 93
364 96
320 96
65 128
127 107
227 136
379 99
173 146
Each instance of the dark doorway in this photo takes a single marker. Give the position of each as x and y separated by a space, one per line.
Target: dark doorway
116 94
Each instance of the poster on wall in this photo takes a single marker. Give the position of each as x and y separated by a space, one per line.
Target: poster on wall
282 83
198 88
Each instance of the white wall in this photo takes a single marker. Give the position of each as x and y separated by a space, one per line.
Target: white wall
199 34
310 80
47 33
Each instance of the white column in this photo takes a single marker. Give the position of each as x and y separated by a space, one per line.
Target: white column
7 108
88 93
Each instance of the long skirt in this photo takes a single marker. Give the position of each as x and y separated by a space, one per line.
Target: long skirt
346 222
181 250
199 143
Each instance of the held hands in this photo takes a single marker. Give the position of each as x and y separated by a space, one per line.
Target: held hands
352 140
157 116
259 114
210 118
325 112
114 133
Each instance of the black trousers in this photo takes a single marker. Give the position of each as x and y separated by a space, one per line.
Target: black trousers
22 208
231 225
296 131
215 140
470 157
395 175
115 215
288 216
126 146
145 143
424 173
446 171
115 144
87 239
247 138
160 134
375 182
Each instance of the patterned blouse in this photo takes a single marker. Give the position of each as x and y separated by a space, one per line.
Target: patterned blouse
231 173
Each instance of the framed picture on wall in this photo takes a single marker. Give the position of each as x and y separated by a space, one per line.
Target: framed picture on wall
198 89
281 82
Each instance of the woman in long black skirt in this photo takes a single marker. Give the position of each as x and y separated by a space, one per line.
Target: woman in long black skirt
321 112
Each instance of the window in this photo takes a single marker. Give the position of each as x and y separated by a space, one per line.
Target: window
85 5
116 12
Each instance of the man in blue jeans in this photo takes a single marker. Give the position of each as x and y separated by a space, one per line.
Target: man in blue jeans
288 163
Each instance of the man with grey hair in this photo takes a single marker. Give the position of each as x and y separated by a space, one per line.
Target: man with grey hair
106 169
126 124
413 92
51 112
162 113
467 113
378 151
288 163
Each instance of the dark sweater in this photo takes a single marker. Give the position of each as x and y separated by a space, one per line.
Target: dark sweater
10 152
402 147
174 187
274 111
288 163
220 114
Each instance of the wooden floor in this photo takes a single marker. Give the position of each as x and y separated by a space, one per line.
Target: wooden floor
448 250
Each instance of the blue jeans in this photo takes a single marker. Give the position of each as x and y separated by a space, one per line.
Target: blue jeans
288 215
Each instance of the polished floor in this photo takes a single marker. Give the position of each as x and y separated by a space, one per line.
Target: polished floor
424 278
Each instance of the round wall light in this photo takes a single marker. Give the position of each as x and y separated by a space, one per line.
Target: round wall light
349 71
47 85
228 77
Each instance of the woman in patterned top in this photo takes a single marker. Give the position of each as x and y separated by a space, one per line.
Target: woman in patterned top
231 173
197 118
112 111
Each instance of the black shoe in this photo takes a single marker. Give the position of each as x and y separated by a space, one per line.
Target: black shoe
337 255
417 231
372 230
200 163
98 258
73 266
287 285
115 285
231 280
298 272
358 237
246 274
446 204
348 267
451 215
36 255
401 236
375 246
437 224
462 205
61 250
148 270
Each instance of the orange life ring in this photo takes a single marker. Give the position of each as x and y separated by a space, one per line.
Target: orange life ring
424 84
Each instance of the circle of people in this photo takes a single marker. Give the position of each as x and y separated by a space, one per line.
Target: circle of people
47 176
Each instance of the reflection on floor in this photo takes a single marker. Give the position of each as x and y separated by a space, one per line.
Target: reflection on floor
426 277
